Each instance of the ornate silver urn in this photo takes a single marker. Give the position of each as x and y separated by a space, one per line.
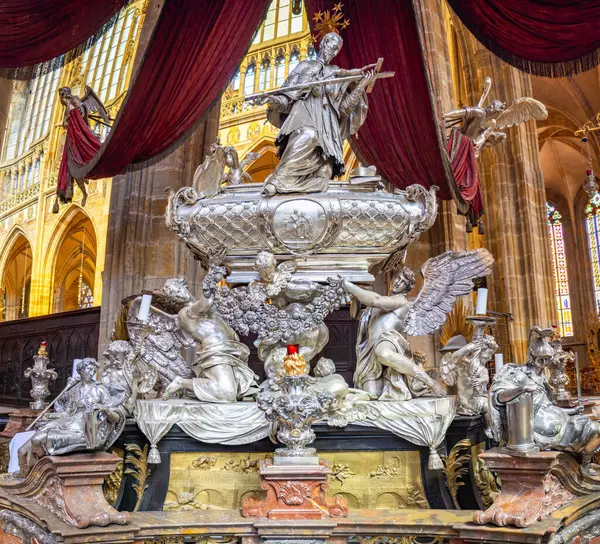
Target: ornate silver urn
40 377
293 411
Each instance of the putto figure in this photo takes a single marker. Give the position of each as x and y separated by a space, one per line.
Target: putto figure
563 429
314 120
482 125
384 356
466 369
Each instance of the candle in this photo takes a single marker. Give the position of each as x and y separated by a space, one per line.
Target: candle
481 308
578 377
498 361
144 312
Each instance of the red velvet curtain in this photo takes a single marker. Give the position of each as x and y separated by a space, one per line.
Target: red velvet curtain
401 135
195 49
81 146
553 38
34 31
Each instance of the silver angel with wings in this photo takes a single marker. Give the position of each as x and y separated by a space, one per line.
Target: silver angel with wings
483 125
210 175
384 356
159 342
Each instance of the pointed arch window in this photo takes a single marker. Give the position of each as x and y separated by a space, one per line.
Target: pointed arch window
592 223
249 79
559 268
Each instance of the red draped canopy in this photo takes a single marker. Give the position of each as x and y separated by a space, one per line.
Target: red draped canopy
195 49
34 31
402 135
553 38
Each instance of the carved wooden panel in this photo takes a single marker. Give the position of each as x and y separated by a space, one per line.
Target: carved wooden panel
69 335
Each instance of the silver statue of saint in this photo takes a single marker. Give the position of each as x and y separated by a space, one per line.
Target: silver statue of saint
89 416
314 122
384 358
555 428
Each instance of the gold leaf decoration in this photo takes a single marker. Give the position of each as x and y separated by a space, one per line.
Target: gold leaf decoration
136 463
329 21
456 322
456 466
112 483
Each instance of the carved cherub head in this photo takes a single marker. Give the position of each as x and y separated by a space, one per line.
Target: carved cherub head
325 367
495 108
64 93
266 265
116 353
402 281
488 348
178 290
330 46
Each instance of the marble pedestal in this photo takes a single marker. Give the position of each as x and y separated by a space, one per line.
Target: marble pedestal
18 422
295 491
530 491
70 487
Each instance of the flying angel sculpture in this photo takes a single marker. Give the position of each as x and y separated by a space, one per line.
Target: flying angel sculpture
483 125
384 356
87 105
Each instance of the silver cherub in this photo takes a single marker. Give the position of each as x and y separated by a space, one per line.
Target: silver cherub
221 360
466 368
384 356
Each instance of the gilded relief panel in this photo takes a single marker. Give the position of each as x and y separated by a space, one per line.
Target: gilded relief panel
367 479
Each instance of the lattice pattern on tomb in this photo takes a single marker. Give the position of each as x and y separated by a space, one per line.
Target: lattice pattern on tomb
374 223
230 224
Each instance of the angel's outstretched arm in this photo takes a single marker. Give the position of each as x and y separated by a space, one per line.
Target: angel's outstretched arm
201 306
374 300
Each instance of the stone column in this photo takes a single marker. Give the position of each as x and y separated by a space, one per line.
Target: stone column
514 198
5 97
141 252
449 232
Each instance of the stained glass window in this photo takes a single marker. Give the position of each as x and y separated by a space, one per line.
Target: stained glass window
559 267
592 222
86 296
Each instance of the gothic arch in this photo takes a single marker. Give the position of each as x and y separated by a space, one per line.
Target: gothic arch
15 276
264 165
72 265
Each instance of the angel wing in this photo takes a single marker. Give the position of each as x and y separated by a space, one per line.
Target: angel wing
520 111
207 177
283 274
161 349
250 157
447 277
448 371
92 104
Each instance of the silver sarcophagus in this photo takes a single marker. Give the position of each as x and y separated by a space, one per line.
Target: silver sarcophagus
346 230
